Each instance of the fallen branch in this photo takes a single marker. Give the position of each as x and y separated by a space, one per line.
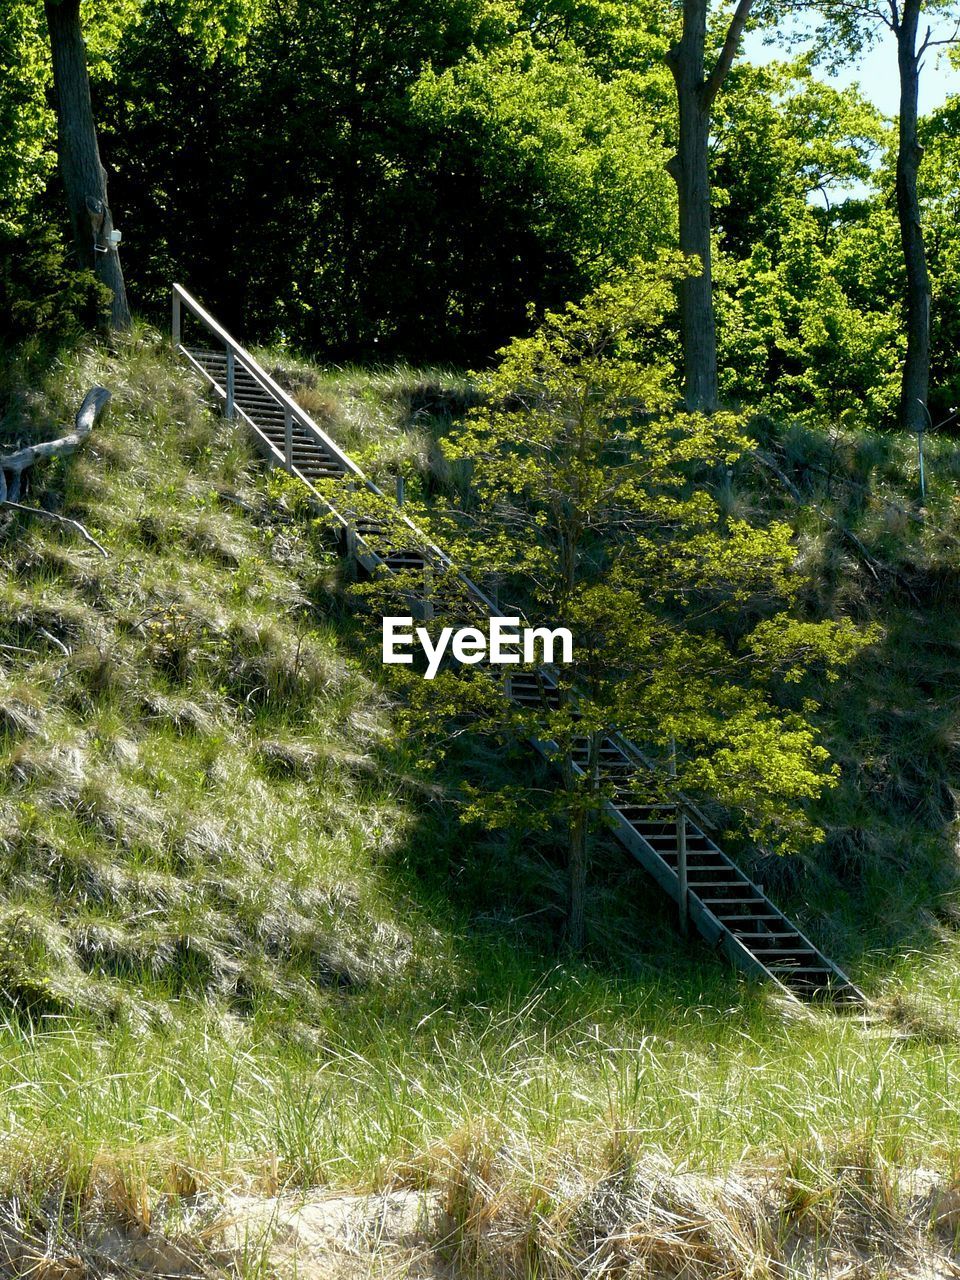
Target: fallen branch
15 464
85 534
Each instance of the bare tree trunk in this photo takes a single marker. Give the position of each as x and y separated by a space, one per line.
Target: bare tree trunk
84 177
690 169
916 368
578 849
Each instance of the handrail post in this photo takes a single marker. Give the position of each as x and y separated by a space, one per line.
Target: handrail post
682 869
427 610
682 879
288 437
231 388
176 328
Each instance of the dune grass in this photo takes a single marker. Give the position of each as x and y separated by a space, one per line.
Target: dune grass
240 939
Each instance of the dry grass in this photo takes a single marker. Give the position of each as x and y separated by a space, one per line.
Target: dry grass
646 1222
509 1212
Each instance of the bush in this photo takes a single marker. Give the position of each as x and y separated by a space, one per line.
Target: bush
41 294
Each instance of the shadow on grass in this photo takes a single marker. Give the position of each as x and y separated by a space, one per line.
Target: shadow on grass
500 895
884 883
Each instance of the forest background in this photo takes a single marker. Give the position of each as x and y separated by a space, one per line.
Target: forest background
401 180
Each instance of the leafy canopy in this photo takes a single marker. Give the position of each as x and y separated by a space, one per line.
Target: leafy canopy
591 505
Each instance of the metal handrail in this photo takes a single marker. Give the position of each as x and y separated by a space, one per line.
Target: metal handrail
181 297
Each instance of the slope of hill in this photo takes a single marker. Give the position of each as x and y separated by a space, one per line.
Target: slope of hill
887 872
244 948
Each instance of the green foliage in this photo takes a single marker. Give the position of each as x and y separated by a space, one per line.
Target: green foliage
338 159
591 506
541 127
106 24
808 283
26 125
787 147
497 152
794 337
41 295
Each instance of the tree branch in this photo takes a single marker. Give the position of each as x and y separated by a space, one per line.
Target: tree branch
932 44
94 403
64 520
727 54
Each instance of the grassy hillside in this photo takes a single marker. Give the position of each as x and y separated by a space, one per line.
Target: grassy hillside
243 945
888 872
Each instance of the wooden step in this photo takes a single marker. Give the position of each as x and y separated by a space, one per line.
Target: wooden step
799 972
713 901
733 881
799 952
769 935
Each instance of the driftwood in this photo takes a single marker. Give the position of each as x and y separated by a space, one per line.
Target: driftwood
14 465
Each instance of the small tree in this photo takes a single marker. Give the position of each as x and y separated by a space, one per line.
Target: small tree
590 506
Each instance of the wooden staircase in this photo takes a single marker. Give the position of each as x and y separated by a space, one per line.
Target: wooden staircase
727 908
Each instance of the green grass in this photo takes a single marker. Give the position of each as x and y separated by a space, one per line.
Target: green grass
239 938
390 419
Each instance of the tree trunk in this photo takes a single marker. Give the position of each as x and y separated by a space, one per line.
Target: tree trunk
577 882
690 170
916 367
84 177
578 851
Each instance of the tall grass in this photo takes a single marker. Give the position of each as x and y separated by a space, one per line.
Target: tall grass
375 1098
241 940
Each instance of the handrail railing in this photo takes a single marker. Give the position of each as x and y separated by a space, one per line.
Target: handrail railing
181 298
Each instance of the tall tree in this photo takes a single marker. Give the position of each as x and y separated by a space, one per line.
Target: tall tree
84 177
904 22
697 88
849 25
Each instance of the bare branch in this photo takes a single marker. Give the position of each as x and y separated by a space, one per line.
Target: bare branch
57 643
953 38
62 520
731 44
94 403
